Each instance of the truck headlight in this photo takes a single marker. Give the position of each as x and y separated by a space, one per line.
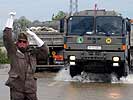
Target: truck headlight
72 63
115 64
116 59
72 57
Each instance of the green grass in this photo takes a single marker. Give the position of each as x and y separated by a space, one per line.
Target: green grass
1 40
3 57
1 43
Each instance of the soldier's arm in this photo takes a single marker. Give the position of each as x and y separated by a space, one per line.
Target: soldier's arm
7 35
42 47
42 51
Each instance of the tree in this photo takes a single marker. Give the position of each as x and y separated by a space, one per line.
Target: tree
24 22
3 57
59 15
21 24
36 23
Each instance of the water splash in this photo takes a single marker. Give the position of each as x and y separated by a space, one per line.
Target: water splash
127 80
63 75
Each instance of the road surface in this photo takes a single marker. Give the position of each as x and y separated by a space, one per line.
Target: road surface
60 86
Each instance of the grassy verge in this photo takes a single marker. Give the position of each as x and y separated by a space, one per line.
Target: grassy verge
3 57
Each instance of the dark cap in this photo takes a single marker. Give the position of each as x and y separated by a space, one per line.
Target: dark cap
22 36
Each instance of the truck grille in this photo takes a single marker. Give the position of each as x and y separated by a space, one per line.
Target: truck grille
96 67
93 56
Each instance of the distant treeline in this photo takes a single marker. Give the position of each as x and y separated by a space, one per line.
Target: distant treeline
22 23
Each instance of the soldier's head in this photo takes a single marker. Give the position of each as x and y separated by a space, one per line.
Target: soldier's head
22 42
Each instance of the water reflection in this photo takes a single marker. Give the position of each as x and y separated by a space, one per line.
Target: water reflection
63 87
115 95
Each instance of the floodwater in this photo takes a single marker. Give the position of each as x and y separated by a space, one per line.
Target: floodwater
60 86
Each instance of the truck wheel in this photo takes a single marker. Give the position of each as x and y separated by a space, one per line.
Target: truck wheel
75 70
118 76
72 71
123 71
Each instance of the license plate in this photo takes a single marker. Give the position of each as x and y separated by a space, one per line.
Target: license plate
94 47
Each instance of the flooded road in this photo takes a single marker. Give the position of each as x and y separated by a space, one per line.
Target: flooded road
60 86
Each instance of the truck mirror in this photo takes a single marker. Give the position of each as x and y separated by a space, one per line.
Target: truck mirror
128 26
61 25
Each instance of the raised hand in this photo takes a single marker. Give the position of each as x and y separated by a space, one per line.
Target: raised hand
30 32
9 23
39 42
12 14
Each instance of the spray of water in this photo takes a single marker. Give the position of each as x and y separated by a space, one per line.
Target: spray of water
127 80
63 75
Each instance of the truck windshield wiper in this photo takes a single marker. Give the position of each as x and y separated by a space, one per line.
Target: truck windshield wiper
101 33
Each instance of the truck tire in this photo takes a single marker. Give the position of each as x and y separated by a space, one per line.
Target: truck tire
123 71
75 70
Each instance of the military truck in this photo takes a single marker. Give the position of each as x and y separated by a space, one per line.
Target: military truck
131 39
97 41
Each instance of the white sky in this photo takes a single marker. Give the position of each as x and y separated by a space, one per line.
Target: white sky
43 9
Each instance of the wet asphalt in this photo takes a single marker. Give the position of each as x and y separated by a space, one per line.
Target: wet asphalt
60 86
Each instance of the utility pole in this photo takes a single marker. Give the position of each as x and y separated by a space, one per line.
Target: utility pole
73 7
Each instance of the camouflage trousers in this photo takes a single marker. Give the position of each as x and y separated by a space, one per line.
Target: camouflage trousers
16 95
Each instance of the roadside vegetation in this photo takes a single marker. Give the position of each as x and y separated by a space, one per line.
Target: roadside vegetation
3 54
3 57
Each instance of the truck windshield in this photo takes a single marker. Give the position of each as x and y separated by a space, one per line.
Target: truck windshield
80 25
111 25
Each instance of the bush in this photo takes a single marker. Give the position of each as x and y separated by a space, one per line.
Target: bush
3 57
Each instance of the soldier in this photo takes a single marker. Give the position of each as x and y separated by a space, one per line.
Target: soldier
22 81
